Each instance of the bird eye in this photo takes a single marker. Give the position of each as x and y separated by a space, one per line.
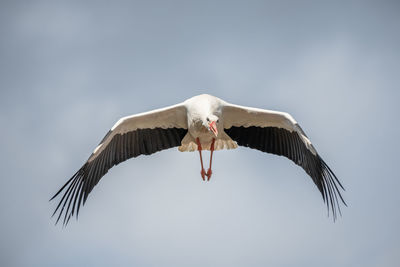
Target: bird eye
208 119
217 120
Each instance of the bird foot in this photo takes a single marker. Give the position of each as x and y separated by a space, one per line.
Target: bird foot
203 174
209 172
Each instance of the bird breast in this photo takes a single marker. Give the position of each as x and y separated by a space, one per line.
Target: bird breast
197 129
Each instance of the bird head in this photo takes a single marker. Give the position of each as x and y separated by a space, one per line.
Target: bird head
211 124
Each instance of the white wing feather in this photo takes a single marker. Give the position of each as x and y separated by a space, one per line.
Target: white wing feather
235 115
170 117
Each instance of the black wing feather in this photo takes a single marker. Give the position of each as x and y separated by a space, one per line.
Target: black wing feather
120 148
282 142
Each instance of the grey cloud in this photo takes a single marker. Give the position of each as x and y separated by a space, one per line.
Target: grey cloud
69 70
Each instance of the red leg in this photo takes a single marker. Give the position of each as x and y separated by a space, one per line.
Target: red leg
209 172
202 172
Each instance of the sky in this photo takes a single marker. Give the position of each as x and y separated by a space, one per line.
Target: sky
70 69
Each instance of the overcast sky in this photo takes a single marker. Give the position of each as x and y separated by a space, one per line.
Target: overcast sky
69 70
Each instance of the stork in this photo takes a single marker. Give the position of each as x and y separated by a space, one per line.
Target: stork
200 123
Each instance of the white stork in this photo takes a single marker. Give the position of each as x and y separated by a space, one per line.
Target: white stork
202 122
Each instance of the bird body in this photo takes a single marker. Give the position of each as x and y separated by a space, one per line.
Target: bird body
199 109
202 122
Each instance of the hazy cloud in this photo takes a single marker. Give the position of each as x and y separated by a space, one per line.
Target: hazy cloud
70 70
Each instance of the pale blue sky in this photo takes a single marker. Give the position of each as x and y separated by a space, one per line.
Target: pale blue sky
70 69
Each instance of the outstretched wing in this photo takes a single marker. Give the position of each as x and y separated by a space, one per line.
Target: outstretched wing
141 134
278 133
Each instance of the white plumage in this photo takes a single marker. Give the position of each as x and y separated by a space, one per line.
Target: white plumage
202 122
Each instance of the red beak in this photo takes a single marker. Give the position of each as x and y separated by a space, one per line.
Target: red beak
213 127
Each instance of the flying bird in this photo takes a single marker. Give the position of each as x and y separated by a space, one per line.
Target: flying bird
200 123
